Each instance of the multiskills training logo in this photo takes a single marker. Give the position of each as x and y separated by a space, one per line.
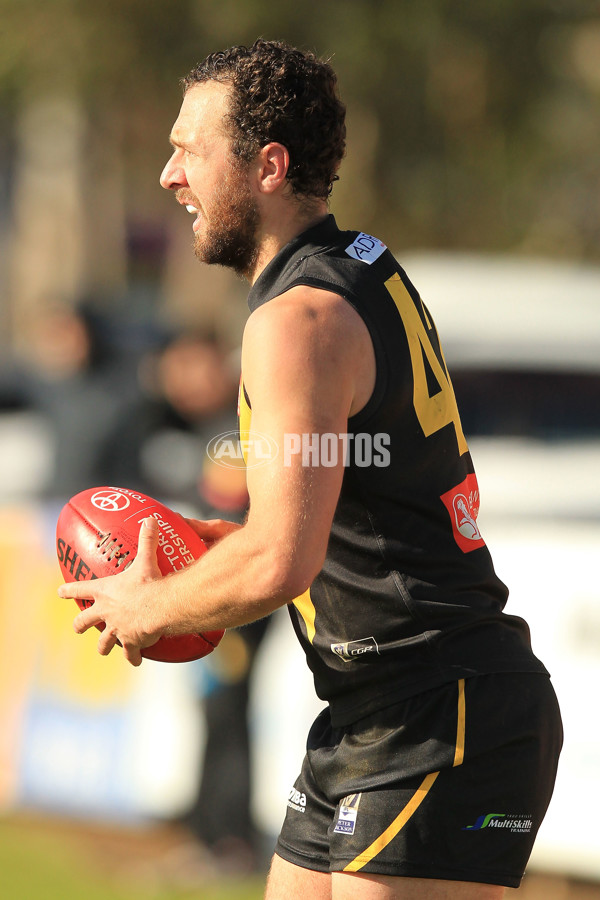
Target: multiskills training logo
513 823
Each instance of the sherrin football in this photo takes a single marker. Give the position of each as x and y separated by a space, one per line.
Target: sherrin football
97 535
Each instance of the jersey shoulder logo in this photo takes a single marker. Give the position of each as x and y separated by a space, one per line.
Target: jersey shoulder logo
366 248
462 503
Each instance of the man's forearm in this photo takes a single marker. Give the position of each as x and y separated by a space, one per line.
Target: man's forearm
241 579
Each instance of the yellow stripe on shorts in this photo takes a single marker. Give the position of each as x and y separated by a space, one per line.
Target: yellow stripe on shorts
392 830
417 798
459 752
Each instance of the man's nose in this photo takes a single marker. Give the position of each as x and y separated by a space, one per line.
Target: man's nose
173 175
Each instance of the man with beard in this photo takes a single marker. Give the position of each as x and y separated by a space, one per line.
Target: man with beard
430 769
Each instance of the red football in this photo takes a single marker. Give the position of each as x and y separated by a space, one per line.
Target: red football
97 535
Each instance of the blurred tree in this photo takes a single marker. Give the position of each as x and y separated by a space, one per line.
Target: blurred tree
89 89
471 125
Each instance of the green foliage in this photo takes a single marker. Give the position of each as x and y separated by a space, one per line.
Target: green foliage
35 862
470 124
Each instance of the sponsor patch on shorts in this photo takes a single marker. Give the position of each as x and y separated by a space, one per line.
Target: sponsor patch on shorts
517 824
297 800
347 814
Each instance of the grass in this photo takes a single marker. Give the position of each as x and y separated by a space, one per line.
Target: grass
55 860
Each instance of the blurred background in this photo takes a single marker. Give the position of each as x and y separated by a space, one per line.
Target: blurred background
474 153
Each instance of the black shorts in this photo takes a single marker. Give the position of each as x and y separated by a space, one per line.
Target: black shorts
450 784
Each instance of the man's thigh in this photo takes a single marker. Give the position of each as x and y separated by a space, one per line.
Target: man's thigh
287 881
388 887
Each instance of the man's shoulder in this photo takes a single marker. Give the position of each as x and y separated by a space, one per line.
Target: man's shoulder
327 257
334 243
305 321
297 306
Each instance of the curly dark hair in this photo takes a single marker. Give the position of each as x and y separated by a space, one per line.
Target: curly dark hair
284 95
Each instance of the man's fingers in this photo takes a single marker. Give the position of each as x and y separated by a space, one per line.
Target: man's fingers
211 530
147 547
99 593
148 533
132 654
86 619
106 642
79 590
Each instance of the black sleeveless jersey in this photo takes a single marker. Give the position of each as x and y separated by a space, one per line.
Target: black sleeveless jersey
407 598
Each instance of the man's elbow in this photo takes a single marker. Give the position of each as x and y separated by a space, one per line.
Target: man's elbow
289 578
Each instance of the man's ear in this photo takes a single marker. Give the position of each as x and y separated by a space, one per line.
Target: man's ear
273 162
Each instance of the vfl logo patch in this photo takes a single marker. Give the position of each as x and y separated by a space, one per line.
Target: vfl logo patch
355 649
366 248
347 815
462 503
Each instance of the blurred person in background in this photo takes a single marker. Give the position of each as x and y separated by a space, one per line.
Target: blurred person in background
111 417
70 375
188 397
196 385
430 769
220 817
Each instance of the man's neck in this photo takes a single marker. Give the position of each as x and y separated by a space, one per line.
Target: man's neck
276 234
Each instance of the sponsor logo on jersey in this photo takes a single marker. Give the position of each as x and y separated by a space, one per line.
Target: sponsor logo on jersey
347 814
355 649
462 503
517 824
366 248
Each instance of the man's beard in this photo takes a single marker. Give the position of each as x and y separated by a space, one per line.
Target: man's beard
230 238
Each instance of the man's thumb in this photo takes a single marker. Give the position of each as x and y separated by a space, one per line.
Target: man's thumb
148 541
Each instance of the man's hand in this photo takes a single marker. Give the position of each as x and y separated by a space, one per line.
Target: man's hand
123 602
212 530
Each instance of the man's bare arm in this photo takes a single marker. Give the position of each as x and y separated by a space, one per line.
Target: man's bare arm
307 363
